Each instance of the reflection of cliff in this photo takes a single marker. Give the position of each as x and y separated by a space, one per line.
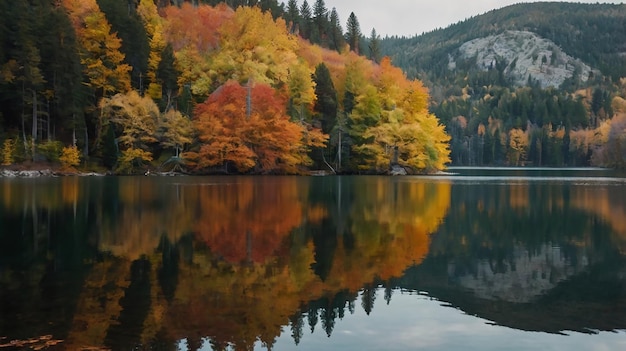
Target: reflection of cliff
591 301
522 278
533 256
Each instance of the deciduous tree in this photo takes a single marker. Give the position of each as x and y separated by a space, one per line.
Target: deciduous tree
136 118
175 131
259 138
255 47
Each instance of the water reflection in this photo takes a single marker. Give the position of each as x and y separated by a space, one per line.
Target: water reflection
247 262
122 262
532 254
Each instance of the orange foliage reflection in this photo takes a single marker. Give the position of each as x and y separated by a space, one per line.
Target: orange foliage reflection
251 265
249 219
239 304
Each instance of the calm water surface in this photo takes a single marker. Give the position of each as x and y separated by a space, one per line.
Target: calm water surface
479 259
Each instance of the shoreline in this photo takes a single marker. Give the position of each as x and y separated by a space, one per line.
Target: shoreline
30 173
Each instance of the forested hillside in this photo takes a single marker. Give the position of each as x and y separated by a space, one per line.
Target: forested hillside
529 84
229 87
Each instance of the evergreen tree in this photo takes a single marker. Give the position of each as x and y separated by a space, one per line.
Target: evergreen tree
24 66
305 20
63 73
353 33
374 46
336 41
273 7
168 75
135 44
368 296
326 102
320 19
292 16
296 323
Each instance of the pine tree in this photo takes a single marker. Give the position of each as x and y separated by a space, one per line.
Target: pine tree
374 46
129 28
292 16
321 24
336 39
326 102
353 33
168 75
305 20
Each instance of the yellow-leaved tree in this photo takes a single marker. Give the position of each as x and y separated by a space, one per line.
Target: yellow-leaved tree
301 90
8 150
255 47
136 120
153 24
518 143
395 127
175 131
99 48
70 157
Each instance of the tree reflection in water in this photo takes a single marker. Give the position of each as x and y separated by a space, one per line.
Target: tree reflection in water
234 260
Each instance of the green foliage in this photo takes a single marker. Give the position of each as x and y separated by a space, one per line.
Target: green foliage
326 98
374 47
51 150
353 33
336 39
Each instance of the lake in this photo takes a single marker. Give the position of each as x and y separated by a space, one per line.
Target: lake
475 259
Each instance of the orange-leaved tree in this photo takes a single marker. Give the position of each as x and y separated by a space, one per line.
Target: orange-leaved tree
248 127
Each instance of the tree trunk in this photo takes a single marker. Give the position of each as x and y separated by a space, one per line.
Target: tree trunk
34 127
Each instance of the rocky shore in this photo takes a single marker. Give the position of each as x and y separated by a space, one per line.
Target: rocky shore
7 173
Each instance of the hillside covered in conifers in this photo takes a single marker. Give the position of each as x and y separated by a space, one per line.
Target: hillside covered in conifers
528 84
207 87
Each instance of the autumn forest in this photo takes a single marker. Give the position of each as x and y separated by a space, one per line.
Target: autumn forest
216 87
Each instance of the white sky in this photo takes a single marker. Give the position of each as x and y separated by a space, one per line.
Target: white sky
413 17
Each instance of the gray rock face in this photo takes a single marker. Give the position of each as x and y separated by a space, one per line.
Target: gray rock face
397 170
26 174
525 54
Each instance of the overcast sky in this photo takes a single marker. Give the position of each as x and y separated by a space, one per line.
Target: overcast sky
411 17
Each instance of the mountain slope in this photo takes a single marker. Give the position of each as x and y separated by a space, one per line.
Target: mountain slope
594 33
530 83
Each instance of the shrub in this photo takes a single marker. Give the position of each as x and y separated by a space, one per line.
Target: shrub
8 152
70 157
51 150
